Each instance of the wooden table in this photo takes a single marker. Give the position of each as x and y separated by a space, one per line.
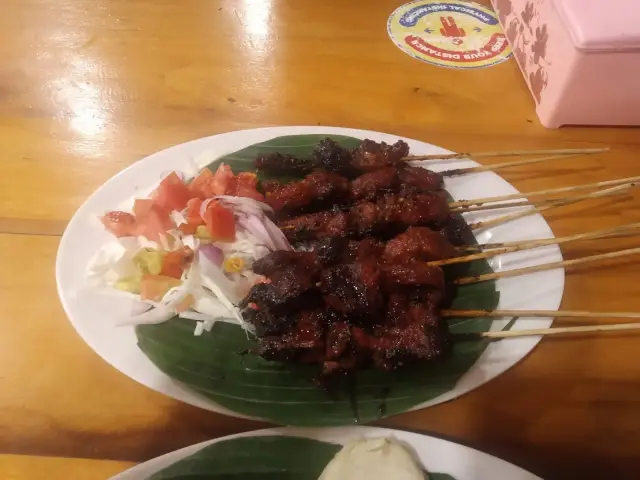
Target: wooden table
87 88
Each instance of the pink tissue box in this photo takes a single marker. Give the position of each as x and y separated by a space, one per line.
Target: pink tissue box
580 58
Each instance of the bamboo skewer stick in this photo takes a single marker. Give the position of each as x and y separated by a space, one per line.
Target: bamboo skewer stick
560 203
538 313
523 203
469 249
513 153
572 188
500 166
534 244
494 206
562 330
546 266
615 232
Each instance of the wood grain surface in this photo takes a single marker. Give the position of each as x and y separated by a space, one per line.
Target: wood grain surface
18 467
87 88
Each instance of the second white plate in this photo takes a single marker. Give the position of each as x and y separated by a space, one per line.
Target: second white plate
435 455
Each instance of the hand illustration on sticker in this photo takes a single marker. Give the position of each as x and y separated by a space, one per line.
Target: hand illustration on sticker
451 29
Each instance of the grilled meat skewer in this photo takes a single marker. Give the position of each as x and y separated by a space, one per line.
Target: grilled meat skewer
321 188
389 213
332 157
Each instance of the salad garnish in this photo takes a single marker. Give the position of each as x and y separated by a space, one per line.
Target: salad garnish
187 250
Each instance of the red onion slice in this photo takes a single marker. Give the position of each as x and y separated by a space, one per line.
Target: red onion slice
279 239
245 204
214 254
255 225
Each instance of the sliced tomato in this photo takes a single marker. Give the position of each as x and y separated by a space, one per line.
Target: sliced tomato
154 287
172 193
247 186
201 185
152 221
220 222
192 216
193 211
121 224
224 181
142 206
174 263
188 228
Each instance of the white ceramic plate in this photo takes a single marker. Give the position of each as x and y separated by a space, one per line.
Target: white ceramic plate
436 455
93 313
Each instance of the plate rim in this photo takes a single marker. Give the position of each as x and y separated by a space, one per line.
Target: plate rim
199 400
332 435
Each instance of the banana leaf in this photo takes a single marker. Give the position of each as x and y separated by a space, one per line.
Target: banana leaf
215 364
259 458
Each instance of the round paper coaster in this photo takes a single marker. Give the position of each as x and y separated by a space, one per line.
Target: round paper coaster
454 34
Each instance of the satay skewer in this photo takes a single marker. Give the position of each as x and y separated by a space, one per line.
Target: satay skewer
615 232
512 153
538 313
537 193
560 203
523 203
536 244
617 327
546 266
499 166
503 219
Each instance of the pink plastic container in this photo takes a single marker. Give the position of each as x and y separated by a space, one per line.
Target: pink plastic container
580 58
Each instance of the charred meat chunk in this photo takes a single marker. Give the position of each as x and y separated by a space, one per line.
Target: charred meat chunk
408 307
372 155
279 163
330 251
317 188
369 185
420 209
332 156
415 273
266 323
418 243
352 288
328 224
285 290
455 229
406 345
419 180
305 342
290 196
364 218
338 340
270 264
367 249
327 185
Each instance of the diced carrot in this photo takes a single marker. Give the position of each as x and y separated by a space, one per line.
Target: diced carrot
175 262
154 287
